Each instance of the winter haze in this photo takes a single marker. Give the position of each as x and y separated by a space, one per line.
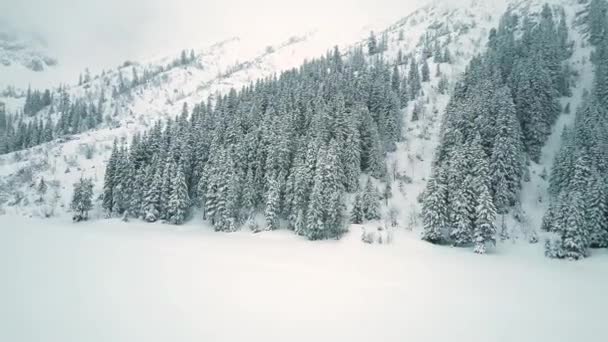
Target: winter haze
101 34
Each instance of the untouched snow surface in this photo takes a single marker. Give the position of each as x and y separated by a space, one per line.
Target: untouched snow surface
114 281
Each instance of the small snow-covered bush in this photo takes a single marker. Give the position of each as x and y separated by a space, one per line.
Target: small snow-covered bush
71 161
553 248
368 237
380 235
88 150
17 157
255 223
413 218
25 175
533 237
393 216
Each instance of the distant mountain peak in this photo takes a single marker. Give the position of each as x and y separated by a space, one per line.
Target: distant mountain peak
22 48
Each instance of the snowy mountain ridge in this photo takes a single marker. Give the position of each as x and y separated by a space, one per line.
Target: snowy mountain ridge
27 50
233 64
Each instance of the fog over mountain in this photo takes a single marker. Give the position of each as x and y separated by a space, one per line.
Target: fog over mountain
99 34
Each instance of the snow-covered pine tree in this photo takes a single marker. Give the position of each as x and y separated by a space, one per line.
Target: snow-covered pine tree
82 199
356 213
462 213
315 213
151 202
371 201
596 208
574 241
425 72
434 209
168 175
137 197
108 183
372 44
413 80
179 201
272 204
485 221
506 163
596 20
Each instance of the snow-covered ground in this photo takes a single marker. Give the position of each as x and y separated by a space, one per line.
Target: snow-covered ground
114 281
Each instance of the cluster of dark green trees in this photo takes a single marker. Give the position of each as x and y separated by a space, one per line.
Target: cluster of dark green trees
500 113
366 205
82 198
288 148
36 100
578 185
21 131
75 114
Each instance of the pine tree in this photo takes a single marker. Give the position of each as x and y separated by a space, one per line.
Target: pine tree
462 213
357 214
596 20
447 57
372 44
573 237
596 209
388 192
371 202
485 221
151 205
396 80
137 196
82 199
434 209
413 80
571 223
326 208
315 216
179 201
425 72
42 187
272 204
166 185
505 162
108 183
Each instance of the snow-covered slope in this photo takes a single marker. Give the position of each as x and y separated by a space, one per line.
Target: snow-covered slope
234 63
229 64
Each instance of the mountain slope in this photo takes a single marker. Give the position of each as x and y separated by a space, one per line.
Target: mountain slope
463 29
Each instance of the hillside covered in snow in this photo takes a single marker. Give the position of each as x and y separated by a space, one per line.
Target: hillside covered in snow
441 178
67 133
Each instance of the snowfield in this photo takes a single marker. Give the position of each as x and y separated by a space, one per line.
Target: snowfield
115 281
107 280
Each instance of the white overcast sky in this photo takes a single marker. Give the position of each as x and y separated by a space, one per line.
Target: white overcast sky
103 33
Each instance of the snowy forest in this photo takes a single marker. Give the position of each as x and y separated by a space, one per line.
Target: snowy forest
288 148
308 149
498 120
579 180
51 114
